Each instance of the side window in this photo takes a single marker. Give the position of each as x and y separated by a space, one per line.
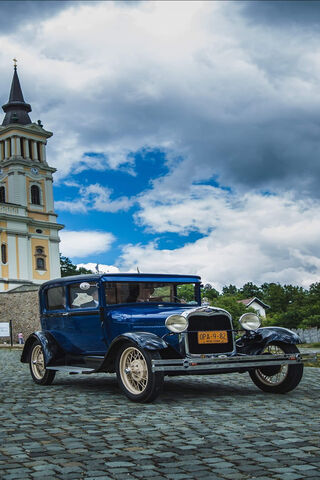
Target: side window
35 195
111 294
56 298
83 295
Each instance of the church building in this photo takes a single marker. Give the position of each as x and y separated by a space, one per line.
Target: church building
29 240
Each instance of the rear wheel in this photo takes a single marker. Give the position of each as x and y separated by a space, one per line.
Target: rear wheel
278 378
134 373
39 373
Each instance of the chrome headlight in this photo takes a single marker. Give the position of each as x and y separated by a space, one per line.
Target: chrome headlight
177 323
250 321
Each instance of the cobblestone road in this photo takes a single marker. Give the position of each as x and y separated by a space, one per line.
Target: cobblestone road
219 427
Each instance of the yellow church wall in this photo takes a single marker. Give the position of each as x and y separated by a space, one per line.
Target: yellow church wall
37 242
41 172
38 216
45 231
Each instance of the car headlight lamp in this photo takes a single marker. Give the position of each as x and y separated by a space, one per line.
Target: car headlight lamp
250 321
177 323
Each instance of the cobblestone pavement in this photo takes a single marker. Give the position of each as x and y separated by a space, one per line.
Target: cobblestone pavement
213 427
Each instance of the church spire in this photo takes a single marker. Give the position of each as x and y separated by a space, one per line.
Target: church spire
16 109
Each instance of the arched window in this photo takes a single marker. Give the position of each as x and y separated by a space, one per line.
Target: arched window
35 195
2 194
40 258
4 253
40 264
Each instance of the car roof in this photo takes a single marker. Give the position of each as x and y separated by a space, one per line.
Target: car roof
144 277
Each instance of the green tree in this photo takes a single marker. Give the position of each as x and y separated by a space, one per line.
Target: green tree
185 292
209 292
230 290
250 290
231 304
68 268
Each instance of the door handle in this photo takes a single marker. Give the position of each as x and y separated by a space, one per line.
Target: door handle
65 314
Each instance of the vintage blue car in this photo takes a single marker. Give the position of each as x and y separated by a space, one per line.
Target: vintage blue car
146 326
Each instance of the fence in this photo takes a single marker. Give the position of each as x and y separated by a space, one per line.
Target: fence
309 335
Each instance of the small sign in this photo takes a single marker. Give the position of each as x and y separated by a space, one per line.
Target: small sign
4 329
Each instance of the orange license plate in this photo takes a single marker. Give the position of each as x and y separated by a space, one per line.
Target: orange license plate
218 336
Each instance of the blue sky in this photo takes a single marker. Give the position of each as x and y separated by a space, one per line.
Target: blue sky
186 134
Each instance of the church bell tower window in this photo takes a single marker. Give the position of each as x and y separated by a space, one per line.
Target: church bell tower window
22 147
35 195
2 195
4 253
39 151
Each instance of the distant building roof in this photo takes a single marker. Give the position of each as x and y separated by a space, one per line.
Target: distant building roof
248 301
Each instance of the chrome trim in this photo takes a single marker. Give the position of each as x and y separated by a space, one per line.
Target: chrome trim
208 312
236 362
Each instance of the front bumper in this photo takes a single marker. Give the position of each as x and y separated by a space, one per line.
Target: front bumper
238 362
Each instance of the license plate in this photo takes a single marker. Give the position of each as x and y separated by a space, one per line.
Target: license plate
216 336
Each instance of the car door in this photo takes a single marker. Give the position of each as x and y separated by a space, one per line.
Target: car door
73 318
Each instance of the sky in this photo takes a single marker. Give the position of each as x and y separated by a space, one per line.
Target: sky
186 134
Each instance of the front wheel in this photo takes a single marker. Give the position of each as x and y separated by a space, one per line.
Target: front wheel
278 378
38 371
134 373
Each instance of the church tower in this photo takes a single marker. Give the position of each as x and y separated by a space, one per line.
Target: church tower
29 241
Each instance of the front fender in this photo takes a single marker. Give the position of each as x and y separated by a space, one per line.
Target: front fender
51 349
253 343
145 340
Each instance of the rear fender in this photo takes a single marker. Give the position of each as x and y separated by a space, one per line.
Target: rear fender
253 343
51 348
145 340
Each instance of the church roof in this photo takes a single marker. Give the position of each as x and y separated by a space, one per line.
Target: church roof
16 109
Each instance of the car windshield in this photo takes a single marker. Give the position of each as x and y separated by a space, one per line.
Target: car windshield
136 292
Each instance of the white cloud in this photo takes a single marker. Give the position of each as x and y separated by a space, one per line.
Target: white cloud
234 98
255 237
93 197
101 267
84 243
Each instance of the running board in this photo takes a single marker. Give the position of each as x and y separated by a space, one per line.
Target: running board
70 369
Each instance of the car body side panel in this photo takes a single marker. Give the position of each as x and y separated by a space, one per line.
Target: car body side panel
255 342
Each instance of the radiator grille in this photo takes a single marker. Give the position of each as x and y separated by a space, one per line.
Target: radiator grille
199 323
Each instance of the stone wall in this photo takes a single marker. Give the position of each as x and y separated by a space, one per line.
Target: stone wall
23 309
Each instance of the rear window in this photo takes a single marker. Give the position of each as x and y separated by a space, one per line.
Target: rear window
56 298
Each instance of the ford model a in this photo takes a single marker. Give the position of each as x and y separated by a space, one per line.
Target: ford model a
146 326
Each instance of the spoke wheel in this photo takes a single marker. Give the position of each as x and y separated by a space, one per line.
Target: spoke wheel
38 369
278 378
134 373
